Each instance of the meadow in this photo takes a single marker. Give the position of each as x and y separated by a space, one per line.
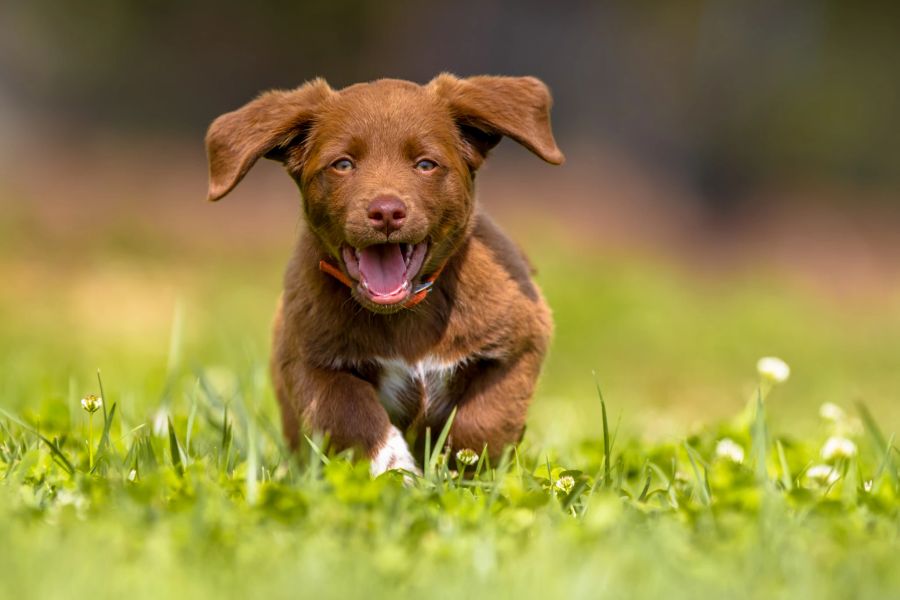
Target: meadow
658 461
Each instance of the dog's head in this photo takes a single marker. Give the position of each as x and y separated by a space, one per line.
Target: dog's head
385 168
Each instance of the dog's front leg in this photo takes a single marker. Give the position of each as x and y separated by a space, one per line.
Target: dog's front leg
346 408
493 408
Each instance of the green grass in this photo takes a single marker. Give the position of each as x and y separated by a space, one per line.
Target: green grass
206 501
192 493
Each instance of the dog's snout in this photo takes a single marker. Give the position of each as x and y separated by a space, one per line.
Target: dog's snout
387 213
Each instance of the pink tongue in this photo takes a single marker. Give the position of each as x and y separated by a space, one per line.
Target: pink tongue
383 268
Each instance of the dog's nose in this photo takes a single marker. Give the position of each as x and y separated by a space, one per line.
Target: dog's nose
387 213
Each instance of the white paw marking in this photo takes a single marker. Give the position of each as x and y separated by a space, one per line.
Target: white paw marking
394 454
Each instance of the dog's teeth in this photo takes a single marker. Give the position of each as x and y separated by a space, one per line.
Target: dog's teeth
405 285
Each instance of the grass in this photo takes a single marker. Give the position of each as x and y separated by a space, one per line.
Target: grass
181 485
208 502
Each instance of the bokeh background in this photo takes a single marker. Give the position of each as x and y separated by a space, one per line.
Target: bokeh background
731 191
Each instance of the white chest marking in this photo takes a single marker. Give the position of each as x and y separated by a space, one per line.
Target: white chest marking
398 376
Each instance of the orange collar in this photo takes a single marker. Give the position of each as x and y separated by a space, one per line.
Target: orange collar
418 295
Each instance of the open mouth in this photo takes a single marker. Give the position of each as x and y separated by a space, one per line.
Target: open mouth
385 271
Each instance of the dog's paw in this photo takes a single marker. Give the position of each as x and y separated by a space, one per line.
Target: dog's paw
393 454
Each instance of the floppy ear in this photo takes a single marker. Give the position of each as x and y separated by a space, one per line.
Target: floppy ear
487 108
263 127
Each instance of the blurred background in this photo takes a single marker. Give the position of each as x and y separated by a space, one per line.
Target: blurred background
731 191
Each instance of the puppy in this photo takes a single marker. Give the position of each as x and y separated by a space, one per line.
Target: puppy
403 301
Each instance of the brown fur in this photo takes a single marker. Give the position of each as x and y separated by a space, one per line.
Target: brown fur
484 313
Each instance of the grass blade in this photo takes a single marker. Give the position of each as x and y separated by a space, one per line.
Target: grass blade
574 495
607 472
317 450
438 448
885 460
192 415
760 441
481 462
252 464
786 479
57 453
103 396
702 482
427 447
499 474
104 437
174 450
670 490
879 441
227 437
646 490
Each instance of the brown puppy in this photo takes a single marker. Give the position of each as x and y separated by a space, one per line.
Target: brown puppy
404 301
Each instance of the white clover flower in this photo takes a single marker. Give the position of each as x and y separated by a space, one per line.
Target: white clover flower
728 448
773 370
78 501
565 484
160 422
832 412
838 447
91 403
467 457
822 474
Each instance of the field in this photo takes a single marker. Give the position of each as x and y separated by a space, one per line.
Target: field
179 486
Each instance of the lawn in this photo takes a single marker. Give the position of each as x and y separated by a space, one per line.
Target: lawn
179 485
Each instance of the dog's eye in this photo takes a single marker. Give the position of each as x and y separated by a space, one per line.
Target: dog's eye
343 165
426 165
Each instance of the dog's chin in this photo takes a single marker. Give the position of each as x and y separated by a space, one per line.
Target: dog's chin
366 302
384 274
